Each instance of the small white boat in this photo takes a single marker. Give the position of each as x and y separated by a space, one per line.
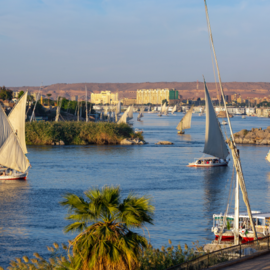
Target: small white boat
8 174
208 162
138 131
244 117
224 123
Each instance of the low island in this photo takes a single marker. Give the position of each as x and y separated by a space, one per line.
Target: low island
253 136
79 133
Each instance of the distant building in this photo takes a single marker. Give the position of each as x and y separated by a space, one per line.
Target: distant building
129 101
155 96
74 98
104 97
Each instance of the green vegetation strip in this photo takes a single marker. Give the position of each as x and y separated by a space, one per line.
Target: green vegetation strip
77 133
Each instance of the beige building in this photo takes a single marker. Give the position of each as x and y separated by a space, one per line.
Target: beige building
155 96
104 97
129 101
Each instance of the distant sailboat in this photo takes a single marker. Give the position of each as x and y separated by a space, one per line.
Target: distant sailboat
214 141
185 122
12 143
139 117
130 112
118 108
123 118
174 109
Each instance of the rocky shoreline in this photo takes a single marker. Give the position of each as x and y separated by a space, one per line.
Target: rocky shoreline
253 136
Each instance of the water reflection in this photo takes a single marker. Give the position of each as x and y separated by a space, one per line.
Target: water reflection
215 192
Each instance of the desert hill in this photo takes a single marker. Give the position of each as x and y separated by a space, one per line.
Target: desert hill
186 89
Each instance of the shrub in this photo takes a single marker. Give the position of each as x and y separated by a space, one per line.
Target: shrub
40 133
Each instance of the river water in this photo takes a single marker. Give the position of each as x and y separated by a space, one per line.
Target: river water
185 198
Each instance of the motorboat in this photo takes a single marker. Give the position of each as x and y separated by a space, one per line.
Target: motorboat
224 123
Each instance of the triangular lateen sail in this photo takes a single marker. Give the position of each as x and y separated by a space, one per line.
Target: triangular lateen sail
11 152
214 141
185 122
123 118
17 120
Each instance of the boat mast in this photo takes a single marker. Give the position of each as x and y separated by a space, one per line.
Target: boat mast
231 143
86 110
37 99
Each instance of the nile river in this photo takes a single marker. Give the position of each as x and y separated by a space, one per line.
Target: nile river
185 198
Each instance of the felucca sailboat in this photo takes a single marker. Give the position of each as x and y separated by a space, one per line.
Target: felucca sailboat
14 163
240 181
214 141
185 122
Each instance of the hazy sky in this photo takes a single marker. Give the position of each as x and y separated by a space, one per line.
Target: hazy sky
69 41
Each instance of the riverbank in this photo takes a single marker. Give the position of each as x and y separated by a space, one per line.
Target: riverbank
253 136
77 133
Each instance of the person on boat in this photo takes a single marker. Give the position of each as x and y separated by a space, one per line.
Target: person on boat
199 162
210 162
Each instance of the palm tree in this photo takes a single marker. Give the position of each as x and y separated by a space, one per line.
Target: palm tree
104 223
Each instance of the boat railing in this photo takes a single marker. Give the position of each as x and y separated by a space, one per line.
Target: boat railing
223 255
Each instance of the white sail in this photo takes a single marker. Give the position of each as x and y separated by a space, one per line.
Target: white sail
130 112
174 109
17 120
118 108
214 141
11 153
185 122
163 108
123 118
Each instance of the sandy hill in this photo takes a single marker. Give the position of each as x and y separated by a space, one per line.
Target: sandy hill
186 89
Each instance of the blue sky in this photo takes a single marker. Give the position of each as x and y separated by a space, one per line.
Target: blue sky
69 41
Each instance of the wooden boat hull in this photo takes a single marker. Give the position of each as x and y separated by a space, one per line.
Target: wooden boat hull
181 132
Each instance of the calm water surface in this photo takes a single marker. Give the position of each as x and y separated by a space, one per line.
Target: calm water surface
185 198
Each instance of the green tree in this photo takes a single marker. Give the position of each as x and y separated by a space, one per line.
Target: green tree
5 93
20 94
104 223
165 100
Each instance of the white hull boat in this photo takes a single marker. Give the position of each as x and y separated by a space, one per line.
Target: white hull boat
13 176
208 162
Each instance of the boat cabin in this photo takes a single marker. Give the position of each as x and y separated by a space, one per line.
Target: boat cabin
261 221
